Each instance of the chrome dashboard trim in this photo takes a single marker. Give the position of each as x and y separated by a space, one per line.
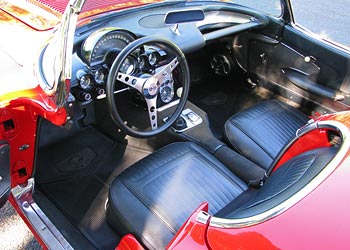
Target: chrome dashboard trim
214 17
282 207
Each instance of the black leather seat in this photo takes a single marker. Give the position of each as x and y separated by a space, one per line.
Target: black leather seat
155 196
260 132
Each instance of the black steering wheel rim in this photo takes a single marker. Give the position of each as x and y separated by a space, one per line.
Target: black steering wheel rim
111 80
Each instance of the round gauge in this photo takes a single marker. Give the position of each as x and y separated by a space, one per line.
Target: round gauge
128 66
100 43
100 76
166 94
153 58
143 62
86 82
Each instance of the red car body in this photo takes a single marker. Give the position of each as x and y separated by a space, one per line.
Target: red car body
318 220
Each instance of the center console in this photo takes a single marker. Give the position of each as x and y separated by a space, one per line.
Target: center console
193 125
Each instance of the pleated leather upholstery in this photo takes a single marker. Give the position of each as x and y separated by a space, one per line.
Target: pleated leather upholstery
155 196
261 131
165 188
285 181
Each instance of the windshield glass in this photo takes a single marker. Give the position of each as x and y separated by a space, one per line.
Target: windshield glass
272 7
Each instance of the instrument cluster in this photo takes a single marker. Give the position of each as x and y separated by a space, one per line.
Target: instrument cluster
98 53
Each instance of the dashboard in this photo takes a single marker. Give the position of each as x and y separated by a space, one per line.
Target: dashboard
98 43
99 51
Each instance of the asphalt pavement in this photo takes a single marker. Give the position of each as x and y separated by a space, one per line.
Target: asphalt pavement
14 233
329 18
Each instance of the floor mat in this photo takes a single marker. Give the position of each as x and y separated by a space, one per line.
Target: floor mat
75 175
82 153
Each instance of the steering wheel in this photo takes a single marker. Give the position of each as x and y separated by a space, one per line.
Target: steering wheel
149 85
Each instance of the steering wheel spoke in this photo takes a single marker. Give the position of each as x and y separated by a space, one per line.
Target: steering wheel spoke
152 112
166 70
131 81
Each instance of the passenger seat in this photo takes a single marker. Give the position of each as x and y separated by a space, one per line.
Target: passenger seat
261 131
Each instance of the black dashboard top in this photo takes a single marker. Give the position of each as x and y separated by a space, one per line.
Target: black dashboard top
99 41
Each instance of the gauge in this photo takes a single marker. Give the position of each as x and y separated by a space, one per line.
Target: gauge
129 65
143 62
153 58
100 76
86 82
85 79
100 43
166 92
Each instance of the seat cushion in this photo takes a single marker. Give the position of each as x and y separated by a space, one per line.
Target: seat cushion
155 196
260 132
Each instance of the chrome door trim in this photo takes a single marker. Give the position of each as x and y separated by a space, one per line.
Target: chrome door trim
42 225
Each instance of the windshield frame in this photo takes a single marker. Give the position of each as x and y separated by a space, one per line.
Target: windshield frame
55 81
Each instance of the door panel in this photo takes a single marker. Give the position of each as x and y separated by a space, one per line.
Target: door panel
333 62
268 60
299 67
4 173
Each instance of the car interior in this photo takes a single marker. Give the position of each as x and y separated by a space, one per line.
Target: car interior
248 84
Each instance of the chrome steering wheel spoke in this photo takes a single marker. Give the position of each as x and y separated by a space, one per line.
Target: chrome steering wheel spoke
166 70
152 111
132 81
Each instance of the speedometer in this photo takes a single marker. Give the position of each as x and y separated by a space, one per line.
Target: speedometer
105 44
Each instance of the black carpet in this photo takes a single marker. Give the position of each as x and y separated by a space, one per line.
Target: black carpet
75 174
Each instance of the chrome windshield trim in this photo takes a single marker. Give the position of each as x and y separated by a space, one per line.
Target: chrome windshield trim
277 210
49 234
63 41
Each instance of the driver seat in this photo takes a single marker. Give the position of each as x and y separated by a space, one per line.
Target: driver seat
155 196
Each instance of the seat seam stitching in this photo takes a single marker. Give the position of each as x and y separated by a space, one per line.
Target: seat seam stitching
259 145
147 206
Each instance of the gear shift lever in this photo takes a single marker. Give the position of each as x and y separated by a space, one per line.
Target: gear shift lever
180 124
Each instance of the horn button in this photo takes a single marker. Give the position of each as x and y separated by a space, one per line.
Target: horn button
150 88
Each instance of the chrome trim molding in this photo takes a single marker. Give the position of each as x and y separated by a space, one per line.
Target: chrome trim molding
214 17
49 234
334 44
277 210
62 42
203 217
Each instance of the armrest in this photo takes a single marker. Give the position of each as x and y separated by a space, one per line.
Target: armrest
301 80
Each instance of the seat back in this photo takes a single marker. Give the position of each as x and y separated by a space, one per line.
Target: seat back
283 183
